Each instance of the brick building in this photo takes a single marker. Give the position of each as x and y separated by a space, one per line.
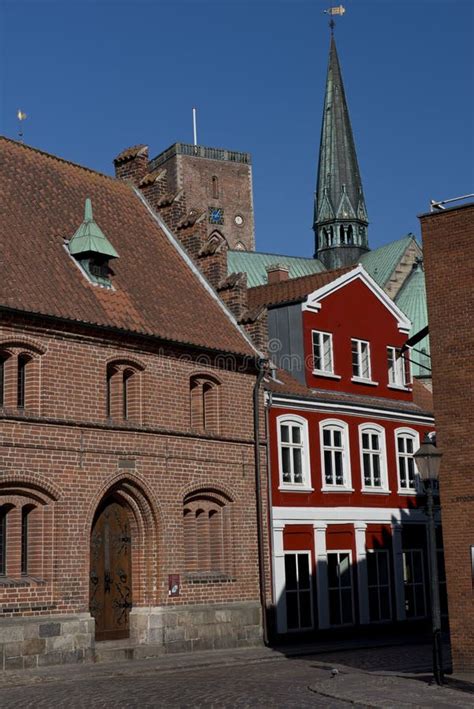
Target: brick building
447 245
127 483
347 523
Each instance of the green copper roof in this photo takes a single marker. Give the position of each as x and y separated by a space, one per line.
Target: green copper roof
381 262
255 264
90 238
412 301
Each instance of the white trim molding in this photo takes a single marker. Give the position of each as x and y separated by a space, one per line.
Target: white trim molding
313 300
409 433
343 428
305 485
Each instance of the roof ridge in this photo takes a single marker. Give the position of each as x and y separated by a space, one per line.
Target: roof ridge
59 159
269 253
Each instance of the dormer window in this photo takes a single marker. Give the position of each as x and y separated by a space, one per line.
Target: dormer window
92 250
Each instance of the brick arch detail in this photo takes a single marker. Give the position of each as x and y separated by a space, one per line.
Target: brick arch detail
26 344
125 362
33 482
196 489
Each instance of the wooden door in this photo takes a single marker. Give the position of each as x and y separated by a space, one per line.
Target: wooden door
110 575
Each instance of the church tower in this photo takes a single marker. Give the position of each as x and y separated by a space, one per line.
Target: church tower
340 216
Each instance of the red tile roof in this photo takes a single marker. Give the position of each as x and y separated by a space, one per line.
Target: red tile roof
293 290
156 292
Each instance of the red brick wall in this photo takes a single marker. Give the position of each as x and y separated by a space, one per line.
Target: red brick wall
64 454
448 240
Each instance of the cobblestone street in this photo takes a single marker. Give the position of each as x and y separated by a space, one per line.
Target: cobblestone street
246 678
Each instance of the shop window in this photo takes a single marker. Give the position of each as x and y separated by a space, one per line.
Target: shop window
378 574
414 583
298 595
341 605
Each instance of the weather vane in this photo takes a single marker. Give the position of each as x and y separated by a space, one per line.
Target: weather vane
339 10
21 117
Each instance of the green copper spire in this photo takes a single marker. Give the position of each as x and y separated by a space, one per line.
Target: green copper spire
340 216
90 239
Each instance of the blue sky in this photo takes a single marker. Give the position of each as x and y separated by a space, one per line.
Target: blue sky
96 76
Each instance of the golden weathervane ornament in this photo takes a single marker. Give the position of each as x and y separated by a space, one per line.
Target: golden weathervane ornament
332 11
21 117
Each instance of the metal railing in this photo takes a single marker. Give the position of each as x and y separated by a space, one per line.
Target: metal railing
200 151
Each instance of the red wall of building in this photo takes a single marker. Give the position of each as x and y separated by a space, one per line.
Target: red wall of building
354 311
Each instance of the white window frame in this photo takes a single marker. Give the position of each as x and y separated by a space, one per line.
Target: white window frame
349 552
297 591
412 433
379 587
397 372
357 377
323 372
305 486
423 583
374 428
346 456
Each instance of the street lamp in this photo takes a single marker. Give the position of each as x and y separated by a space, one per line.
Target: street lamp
428 460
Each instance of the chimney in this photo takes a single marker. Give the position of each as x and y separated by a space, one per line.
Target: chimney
277 272
132 164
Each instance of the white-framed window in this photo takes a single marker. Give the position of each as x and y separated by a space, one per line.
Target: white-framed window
414 583
335 455
361 360
407 442
298 594
293 452
341 602
399 374
378 576
373 457
323 359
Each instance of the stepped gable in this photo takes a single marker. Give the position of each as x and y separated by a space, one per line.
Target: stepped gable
293 290
155 290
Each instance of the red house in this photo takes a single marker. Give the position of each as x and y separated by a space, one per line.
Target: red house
347 527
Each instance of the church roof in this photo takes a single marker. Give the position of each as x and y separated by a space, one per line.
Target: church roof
381 262
255 264
293 290
339 185
43 203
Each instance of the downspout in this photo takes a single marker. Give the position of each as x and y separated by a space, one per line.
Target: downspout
268 406
258 494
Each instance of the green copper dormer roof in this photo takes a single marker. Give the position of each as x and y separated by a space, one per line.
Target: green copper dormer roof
90 238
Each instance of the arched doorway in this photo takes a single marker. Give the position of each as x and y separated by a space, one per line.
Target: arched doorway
110 584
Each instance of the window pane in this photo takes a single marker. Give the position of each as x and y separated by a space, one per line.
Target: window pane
337 439
328 473
403 473
305 609
344 570
346 598
296 434
411 472
383 568
409 445
376 467
327 358
375 442
417 567
338 465
401 444
333 579
367 477
297 466
292 611
365 440
303 571
374 605
385 605
372 569
327 437
290 571
285 458
409 602
285 434
334 609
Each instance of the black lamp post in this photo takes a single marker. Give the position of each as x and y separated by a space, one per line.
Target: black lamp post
428 460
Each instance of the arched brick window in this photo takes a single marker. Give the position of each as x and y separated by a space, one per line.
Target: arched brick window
123 391
20 377
204 393
207 527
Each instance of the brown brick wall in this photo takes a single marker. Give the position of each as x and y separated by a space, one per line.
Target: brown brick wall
63 454
448 239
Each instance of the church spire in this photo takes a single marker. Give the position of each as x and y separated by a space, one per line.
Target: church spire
340 216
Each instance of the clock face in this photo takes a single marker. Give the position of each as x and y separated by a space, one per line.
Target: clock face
239 220
216 215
